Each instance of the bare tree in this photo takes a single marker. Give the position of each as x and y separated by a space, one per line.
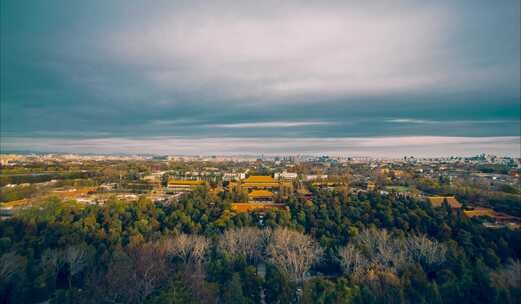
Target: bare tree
351 259
380 281
508 277
119 284
378 249
420 249
76 258
242 242
293 253
52 260
190 248
131 278
151 268
10 265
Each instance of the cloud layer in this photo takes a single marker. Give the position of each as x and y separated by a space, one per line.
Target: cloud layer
246 69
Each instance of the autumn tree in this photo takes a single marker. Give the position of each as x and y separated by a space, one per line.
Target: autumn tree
246 242
190 248
508 280
351 259
134 275
420 249
293 253
373 248
51 263
76 257
12 267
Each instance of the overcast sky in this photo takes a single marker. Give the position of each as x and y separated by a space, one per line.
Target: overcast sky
296 76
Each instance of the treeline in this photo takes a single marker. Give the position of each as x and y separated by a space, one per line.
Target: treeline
335 249
43 177
503 201
17 193
34 190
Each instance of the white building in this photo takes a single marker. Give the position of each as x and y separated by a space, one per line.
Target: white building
315 177
286 175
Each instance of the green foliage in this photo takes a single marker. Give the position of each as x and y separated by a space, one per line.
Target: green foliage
278 287
174 293
112 233
233 292
325 291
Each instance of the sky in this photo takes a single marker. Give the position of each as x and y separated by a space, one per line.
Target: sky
386 78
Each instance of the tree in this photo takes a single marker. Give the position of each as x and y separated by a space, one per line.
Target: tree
293 253
191 249
51 262
421 249
175 293
76 258
508 280
132 277
245 242
278 287
351 259
377 248
233 293
380 248
11 264
12 267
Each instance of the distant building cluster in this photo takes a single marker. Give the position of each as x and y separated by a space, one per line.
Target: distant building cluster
254 183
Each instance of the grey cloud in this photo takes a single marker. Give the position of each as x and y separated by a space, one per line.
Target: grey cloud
259 70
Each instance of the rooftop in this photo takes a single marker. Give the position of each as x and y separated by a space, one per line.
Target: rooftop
185 182
259 179
260 193
246 207
437 201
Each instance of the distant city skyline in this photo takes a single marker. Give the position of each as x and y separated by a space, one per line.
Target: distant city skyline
382 147
397 78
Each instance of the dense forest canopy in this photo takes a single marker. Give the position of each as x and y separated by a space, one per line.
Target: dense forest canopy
337 248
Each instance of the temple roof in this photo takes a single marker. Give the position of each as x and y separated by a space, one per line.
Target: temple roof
245 207
259 179
260 193
437 201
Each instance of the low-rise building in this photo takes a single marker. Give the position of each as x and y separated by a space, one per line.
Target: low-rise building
246 207
259 182
260 196
437 201
315 177
330 185
228 176
286 175
182 186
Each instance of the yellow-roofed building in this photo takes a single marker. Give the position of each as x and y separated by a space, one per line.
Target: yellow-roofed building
181 186
216 190
328 184
437 201
74 193
305 193
246 207
370 186
15 204
257 182
260 179
261 196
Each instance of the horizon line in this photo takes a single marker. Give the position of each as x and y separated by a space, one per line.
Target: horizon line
388 146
